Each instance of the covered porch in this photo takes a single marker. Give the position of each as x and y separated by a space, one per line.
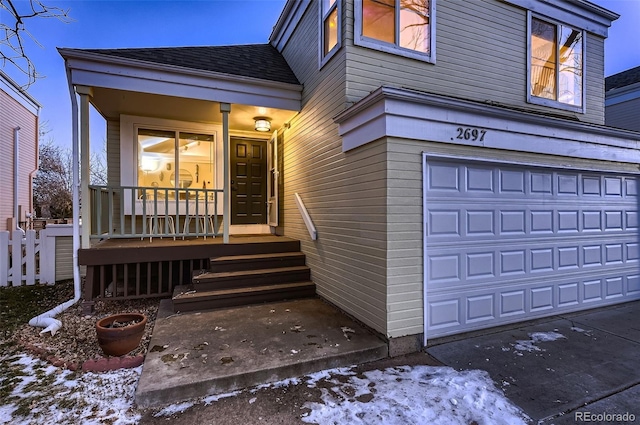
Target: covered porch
192 139
193 136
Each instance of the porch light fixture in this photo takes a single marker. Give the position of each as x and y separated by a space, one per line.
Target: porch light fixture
262 124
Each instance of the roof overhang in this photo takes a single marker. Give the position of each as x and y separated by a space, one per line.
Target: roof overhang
18 94
136 76
622 94
579 13
407 114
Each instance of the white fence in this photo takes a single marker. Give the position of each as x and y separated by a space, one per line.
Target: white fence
31 258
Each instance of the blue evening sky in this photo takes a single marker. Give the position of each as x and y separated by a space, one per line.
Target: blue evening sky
153 23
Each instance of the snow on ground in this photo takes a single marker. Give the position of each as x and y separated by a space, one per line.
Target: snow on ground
40 393
414 395
535 337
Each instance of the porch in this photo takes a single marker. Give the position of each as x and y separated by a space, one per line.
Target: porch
248 269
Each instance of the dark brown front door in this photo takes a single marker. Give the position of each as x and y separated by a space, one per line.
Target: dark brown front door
248 181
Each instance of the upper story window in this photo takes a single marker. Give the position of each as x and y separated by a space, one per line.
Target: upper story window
404 27
555 65
330 29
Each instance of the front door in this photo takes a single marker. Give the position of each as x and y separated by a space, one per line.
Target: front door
248 181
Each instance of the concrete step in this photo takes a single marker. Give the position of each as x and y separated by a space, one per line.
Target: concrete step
257 261
190 300
220 351
246 278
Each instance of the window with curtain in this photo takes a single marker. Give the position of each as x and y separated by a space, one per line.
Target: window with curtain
397 26
556 64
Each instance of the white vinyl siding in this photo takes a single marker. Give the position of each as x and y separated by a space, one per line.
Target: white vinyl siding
482 51
624 115
344 193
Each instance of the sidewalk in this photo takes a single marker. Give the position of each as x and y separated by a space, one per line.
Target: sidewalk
563 369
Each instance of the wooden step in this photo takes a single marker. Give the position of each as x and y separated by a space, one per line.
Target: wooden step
231 263
244 278
185 299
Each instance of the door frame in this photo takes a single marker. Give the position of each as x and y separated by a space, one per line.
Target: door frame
273 181
247 227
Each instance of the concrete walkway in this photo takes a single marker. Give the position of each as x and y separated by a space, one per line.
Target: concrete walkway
192 355
561 369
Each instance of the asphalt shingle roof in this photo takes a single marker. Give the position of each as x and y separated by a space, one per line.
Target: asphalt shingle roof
621 79
261 61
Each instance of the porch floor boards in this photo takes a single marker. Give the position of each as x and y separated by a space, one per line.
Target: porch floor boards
193 355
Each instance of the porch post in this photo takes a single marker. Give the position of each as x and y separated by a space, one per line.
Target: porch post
225 108
85 93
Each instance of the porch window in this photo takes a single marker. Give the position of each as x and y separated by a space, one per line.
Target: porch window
330 28
404 27
172 159
556 65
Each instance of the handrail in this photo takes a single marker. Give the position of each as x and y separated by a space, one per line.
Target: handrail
306 218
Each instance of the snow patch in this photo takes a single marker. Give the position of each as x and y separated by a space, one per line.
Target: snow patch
536 337
418 394
172 409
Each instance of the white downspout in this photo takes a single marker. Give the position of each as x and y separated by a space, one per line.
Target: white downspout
16 176
47 320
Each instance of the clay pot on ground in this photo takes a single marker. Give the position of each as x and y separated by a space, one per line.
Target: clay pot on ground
120 334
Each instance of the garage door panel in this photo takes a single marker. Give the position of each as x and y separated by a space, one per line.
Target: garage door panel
487 220
508 243
482 263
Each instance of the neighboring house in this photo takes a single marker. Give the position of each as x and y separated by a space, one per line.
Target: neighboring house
453 159
18 152
622 99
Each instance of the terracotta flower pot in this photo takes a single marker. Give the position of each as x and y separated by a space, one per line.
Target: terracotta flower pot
119 334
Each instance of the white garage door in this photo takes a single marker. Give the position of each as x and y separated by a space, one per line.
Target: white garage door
509 243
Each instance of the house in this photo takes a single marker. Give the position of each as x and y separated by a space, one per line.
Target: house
622 99
18 152
451 155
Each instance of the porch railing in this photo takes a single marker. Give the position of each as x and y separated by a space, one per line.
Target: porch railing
139 211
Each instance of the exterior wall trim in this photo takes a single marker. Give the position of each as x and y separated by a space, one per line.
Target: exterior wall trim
287 23
18 94
622 94
415 115
579 13
95 70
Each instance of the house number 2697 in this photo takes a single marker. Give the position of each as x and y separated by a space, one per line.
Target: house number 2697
470 133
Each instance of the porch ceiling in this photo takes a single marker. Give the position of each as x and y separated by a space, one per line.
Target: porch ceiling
112 103
130 86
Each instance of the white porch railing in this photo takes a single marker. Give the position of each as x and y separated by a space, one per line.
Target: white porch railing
138 211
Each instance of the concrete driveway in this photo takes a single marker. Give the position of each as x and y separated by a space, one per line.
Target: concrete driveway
566 369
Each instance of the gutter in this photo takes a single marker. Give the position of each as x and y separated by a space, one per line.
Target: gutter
47 320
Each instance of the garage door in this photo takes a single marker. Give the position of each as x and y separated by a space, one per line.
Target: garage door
510 243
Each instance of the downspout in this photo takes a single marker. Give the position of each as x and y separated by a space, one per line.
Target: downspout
47 320
16 176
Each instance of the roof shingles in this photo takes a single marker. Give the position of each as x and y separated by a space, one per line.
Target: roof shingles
622 79
260 61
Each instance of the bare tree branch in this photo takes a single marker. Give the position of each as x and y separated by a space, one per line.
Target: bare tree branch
13 33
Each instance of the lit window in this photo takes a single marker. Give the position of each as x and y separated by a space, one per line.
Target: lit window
555 74
330 28
403 27
171 159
